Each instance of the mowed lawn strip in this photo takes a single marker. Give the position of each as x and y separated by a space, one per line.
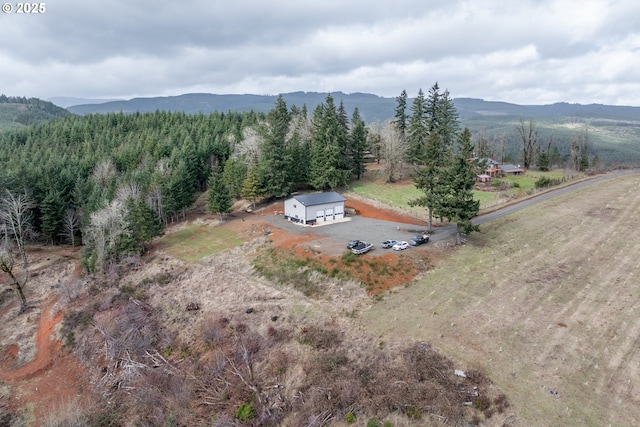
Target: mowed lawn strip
545 302
195 242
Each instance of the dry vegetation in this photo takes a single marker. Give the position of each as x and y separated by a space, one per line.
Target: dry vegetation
212 342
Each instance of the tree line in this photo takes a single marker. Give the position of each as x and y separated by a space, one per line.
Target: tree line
111 182
430 139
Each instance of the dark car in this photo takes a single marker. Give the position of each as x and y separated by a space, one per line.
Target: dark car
352 244
419 240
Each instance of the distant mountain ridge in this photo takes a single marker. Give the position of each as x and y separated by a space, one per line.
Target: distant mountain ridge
372 107
17 112
68 101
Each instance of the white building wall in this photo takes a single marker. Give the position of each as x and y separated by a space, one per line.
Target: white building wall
294 210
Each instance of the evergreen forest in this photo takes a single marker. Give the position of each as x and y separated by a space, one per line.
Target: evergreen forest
112 181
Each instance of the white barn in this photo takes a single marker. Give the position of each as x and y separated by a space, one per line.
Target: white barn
314 208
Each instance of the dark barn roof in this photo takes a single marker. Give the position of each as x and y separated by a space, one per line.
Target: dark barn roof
319 198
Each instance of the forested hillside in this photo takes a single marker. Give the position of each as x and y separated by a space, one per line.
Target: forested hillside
112 180
18 112
613 131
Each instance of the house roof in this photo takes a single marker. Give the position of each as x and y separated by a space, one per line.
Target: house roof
486 160
319 198
510 168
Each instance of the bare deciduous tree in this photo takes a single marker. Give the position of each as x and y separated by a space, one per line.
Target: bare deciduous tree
393 149
529 138
481 144
250 144
70 225
7 263
15 225
104 172
105 230
129 190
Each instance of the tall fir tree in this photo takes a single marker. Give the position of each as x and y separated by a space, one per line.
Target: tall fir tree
251 185
441 123
455 192
400 118
327 165
358 137
417 130
298 149
144 224
218 198
52 210
273 164
235 172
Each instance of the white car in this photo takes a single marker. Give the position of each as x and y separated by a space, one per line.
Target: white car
400 246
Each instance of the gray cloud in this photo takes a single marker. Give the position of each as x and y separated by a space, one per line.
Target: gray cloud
526 52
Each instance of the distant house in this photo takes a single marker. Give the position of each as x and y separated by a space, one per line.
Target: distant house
314 208
495 169
509 169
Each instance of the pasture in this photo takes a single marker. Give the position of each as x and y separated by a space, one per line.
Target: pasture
545 302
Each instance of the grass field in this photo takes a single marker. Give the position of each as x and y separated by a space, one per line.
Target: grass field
398 194
197 241
545 302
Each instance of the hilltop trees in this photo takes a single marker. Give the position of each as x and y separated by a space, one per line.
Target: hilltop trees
433 127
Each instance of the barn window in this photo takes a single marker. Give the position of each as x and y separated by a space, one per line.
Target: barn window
295 206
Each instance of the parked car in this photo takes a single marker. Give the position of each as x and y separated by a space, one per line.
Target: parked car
400 246
388 243
353 243
362 248
419 240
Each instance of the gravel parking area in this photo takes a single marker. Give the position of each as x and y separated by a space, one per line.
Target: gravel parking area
339 233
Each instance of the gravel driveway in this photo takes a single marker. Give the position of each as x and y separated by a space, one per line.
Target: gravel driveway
359 228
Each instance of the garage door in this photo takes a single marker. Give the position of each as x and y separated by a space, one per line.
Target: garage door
320 216
328 214
339 212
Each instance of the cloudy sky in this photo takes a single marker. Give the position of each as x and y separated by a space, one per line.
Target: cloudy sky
520 51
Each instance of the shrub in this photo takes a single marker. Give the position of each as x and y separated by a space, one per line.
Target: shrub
481 403
350 418
373 422
545 181
245 412
414 412
349 257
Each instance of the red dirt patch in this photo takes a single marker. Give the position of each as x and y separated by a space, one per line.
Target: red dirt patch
369 211
51 379
45 348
